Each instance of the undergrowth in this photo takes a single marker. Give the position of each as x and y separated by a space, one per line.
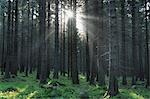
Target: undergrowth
28 87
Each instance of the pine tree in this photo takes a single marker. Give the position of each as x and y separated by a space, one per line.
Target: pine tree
56 63
42 31
113 83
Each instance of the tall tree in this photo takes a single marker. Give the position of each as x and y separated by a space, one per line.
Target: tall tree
75 78
42 31
94 11
94 63
31 37
101 44
28 39
12 36
7 69
123 61
87 44
147 46
62 39
113 83
15 51
56 66
48 37
3 44
134 42
70 43
22 49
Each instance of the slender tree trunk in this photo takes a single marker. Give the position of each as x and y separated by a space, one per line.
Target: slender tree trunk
61 39
22 50
147 47
69 48
141 38
101 44
42 31
70 29
15 63
48 39
3 46
28 39
113 83
94 63
63 46
95 23
31 39
38 52
12 60
75 78
7 69
56 66
134 49
123 60
87 45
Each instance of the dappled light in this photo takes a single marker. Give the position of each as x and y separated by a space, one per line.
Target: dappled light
9 94
136 96
31 95
30 89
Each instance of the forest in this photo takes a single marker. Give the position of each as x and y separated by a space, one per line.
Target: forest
74 49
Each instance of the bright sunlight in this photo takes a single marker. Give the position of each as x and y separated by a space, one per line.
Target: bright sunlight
79 20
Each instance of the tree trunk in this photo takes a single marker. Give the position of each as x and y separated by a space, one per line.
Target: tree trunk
15 60
48 39
7 69
87 45
3 46
22 50
113 83
70 44
94 64
75 78
101 44
56 63
28 40
31 39
12 60
42 31
134 43
147 47
123 60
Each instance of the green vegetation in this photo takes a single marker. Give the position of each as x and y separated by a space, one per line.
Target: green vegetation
28 87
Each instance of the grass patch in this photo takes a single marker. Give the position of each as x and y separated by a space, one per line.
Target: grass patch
28 88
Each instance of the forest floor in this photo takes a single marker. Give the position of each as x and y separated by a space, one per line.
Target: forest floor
23 87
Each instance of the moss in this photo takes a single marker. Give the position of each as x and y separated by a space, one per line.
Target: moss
28 87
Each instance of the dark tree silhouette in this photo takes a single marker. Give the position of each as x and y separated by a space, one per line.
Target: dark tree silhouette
56 66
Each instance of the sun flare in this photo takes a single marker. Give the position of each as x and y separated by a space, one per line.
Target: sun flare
69 14
79 20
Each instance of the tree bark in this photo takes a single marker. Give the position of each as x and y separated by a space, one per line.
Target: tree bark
123 60
42 32
113 83
147 47
7 69
134 44
75 78
56 63
87 45
3 46
48 38
101 44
